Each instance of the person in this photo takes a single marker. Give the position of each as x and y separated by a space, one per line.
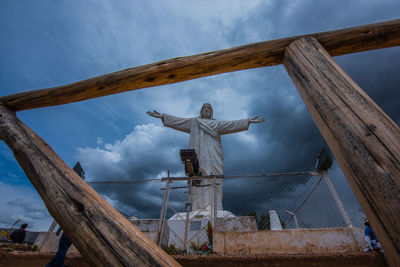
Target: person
63 246
370 238
18 236
205 138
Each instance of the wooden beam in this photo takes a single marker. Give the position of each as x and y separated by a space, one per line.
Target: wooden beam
363 139
101 234
269 53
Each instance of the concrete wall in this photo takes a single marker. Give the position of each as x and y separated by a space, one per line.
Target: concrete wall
199 235
196 232
149 227
243 224
291 241
48 241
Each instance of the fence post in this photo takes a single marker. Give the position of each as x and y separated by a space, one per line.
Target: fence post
163 212
294 216
52 226
187 221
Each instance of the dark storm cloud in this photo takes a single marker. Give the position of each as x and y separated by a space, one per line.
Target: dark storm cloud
112 37
141 199
289 140
278 19
377 73
146 153
22 203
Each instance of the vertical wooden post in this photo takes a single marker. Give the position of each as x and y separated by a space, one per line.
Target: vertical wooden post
363 139
100 233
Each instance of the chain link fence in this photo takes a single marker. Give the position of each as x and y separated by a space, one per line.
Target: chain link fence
180 213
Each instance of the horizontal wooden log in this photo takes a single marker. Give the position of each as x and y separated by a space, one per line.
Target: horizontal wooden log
100 233
363 139
269 53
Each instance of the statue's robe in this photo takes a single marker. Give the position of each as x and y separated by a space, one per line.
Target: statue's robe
205 139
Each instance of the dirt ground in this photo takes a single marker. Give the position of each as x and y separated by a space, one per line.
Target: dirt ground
285 261
34 258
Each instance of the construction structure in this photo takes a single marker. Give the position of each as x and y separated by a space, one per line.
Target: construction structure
363 139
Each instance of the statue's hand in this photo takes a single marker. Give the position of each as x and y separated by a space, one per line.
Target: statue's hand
256 119
154 113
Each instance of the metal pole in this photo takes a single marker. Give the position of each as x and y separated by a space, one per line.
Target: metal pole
163 211
185 239
212 200
52 226
215 204
294 218
338 201
295 221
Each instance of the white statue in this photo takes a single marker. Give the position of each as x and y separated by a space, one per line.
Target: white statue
205 138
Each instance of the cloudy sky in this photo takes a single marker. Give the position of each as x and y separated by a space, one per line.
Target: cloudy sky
51 43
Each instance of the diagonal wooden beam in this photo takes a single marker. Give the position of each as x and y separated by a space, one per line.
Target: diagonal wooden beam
361 136
263 54
101 234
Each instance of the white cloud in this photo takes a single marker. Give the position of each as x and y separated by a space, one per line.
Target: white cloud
247 137
99 140
139 153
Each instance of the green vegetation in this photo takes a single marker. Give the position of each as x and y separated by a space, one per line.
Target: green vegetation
172 250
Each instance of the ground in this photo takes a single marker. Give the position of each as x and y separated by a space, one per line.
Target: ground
17 256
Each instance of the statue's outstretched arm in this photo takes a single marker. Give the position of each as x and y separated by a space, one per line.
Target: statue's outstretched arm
154 113
256 119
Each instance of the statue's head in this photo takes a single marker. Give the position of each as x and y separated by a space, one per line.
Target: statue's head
206 111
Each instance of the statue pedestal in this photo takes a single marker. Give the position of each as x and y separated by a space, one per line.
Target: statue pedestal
203 195
196 227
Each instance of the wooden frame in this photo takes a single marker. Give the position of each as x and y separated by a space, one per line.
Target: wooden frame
264 54
363 139
106 238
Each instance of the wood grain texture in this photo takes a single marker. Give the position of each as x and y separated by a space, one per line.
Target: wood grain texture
363 139
100 233
269 53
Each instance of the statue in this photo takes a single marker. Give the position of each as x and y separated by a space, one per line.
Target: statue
205 138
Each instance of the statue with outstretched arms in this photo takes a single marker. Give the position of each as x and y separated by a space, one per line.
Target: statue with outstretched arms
205 138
